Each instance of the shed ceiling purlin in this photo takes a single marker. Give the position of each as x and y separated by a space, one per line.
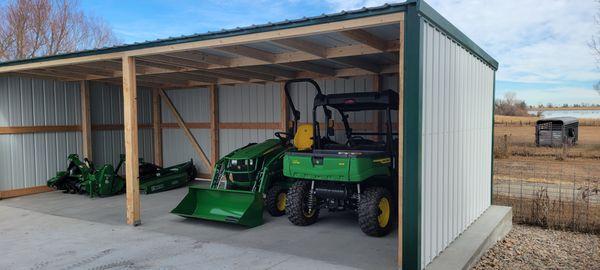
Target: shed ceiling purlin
276 55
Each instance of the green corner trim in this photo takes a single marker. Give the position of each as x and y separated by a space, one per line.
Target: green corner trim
492 158
413 99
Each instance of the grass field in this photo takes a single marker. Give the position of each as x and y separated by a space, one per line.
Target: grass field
571 182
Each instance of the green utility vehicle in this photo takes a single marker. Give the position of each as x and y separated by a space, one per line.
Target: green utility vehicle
246 180
359 175
83 178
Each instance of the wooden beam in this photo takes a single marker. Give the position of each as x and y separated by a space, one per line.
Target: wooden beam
190 125
5 194
185 129
304 46
367 66
272 71
250 52
314 68
131 141
365 37
214 124
233 40
199 56
156 128
400 161
175 61
86 122
117 126
38 129
256 125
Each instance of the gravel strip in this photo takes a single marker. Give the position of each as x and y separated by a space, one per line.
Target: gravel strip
528 247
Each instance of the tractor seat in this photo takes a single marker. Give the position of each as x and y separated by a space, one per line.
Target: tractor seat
303 139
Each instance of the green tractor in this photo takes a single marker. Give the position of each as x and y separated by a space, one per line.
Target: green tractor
83 178
359 175
246 181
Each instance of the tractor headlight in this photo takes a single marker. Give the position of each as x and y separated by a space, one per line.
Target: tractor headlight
234 162
251 162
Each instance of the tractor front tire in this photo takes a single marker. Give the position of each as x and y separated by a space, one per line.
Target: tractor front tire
376 212
276 200
296 207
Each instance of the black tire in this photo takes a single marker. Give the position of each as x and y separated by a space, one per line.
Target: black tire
371 219
295 207
276 200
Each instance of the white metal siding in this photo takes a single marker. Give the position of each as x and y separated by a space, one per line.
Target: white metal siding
28 160
194 106
247 103
106 108
456 140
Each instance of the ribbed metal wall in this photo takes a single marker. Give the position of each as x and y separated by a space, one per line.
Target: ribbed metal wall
247 103
456 140
194 106
28 160
106 105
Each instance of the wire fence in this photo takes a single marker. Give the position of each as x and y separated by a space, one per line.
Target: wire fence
555 195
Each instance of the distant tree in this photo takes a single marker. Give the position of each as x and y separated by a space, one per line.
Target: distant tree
32 28
595 44
510 105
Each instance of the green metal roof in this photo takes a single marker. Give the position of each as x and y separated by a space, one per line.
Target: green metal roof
425 10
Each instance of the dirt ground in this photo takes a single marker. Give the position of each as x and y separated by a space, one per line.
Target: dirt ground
528 247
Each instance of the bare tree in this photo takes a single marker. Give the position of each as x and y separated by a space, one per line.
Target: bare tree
595 44
32 28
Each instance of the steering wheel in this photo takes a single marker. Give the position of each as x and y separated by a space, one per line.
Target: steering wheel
283 138
354 140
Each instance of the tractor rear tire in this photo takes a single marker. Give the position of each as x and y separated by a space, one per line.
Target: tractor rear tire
376 212
276 200
296 206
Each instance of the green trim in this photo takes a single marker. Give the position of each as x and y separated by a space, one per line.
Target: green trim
288 24
413 99
437 19
493 124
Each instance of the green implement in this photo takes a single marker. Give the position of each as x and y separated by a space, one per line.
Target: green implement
156 179
243 183
82 177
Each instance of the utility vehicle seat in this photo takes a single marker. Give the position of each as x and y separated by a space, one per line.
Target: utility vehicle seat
303 139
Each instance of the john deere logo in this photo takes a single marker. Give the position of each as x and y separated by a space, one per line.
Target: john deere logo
295 161
382 160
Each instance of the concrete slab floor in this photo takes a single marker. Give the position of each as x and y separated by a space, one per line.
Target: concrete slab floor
55 231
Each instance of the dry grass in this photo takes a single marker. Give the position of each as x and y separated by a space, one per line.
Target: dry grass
504 120
522 143
567 109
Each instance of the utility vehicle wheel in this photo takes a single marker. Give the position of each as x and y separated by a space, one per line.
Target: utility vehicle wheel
276 200
297 205
376 212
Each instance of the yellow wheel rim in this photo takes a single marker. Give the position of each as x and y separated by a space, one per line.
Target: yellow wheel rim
281 200
309 214
384 217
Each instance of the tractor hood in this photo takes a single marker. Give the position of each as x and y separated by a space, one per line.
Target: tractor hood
257 150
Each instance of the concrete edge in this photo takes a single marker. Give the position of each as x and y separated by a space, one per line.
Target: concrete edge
464 252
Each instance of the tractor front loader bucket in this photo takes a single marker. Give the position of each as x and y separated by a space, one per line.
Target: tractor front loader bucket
232 206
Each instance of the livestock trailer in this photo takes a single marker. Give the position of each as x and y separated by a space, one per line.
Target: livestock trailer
203 95
556 131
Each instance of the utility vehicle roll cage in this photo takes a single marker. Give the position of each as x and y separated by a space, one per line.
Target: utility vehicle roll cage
348 102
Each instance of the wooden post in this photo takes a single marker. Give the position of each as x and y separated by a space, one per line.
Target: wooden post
86 123
400 161
157 129
283 122
131 141
214 124
185 129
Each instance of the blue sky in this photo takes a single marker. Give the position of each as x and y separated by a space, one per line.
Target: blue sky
541 45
